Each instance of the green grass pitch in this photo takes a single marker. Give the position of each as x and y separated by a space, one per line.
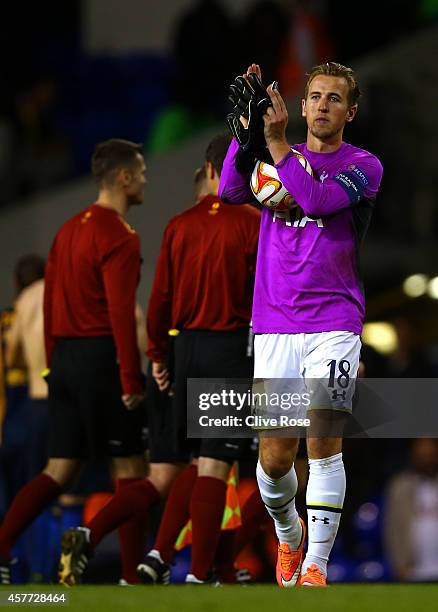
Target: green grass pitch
351 598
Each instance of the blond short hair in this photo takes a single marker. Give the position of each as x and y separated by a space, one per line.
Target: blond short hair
338 70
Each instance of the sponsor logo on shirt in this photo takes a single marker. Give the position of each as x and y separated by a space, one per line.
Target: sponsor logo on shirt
295 218
323 176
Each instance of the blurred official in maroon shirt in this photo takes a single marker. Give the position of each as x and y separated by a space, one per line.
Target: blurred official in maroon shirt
204 270
92 275
95 382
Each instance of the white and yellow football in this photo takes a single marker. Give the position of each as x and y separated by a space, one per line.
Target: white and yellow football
268 188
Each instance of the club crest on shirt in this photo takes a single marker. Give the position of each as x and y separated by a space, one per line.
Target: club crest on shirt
214 208
86 216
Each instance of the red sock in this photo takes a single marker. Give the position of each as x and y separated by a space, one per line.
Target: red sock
26 506
132 539
176 512
233 541
130 502
224 560
254 516
206 511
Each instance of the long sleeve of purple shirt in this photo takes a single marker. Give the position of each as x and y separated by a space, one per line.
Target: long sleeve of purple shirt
234 188
316 198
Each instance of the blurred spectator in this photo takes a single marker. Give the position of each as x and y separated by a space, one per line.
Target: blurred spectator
40 41
409 359
7 139
429 10
44 158
33 153
308 43
380 24
26 338
26 345
12 410
204 51
172 126
263 39
411 522
372 363
22 329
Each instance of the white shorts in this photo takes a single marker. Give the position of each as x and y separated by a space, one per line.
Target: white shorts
323 364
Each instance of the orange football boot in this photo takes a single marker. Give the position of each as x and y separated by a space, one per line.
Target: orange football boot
289 561
313 577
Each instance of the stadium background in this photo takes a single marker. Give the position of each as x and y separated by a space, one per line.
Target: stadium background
76 73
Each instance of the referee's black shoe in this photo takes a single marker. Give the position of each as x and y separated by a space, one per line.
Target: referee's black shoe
153 570
243 577
75 554
5 572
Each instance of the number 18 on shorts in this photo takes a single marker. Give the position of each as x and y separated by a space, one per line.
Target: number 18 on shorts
319 366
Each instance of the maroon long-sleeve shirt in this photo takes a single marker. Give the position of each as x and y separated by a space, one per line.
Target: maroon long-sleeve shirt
204 274
91 280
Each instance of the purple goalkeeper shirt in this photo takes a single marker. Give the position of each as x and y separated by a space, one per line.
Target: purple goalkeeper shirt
307 277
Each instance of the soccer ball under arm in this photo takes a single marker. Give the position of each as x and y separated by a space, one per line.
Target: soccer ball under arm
268 188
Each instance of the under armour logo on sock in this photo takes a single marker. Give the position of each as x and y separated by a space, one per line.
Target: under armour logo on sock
324 520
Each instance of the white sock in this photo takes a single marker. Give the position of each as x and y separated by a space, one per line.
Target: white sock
324 498
278 495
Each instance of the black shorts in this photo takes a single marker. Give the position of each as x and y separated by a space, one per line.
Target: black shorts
196 354
87 417
160 416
